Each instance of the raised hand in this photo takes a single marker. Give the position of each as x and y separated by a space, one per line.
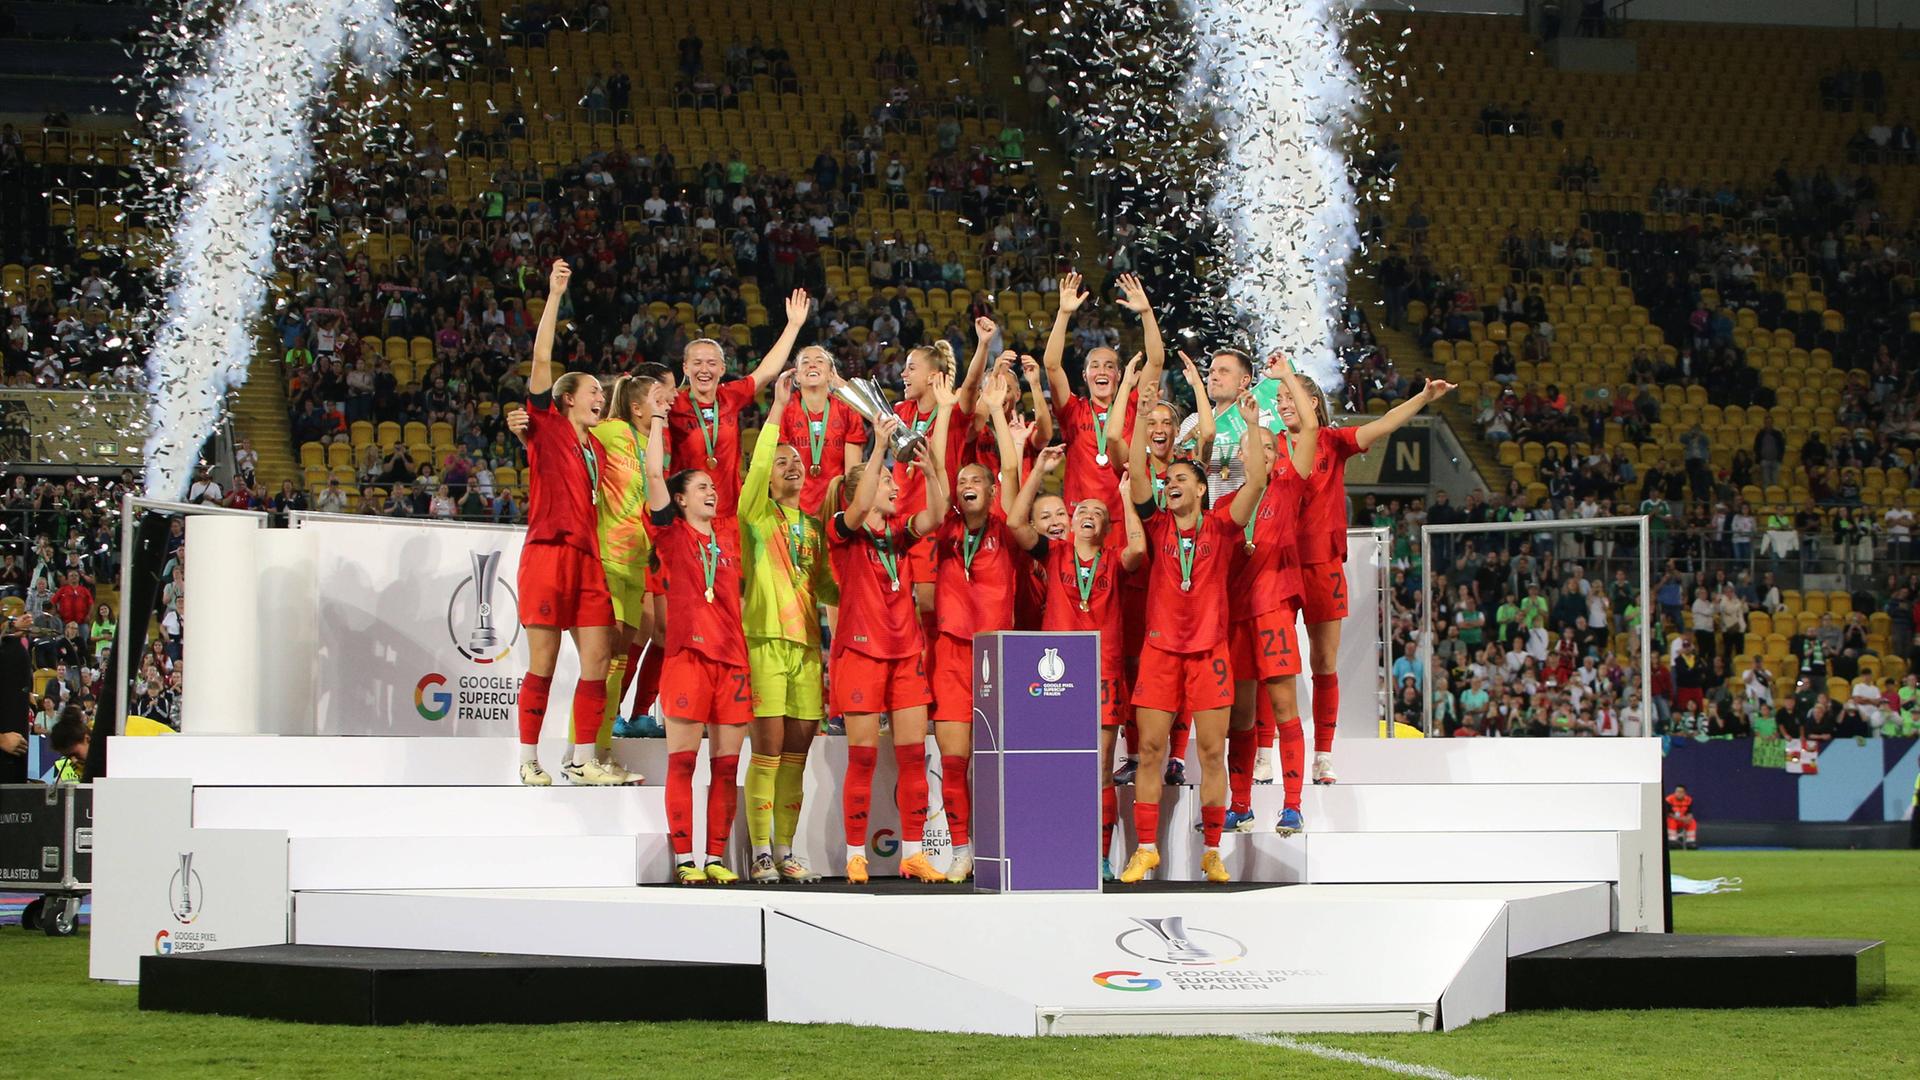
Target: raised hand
1436 389
798 304
985 328
993 393
558 277
1277 364
1051 458
1192 371
944 394
782 393
1071 296
1133 295
1021 427
1003 365
1031 369
883 431
1249 409
517 423
660 400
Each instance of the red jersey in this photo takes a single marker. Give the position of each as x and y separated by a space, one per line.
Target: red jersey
822 439
1087 594
711 627
708 437
913 486
1269 575
563 474
1029 596
1323 514
1679 805
1193 619
977 577
1080 426
982 448
877 616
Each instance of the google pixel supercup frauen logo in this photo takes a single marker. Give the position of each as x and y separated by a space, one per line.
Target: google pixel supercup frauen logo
429 701
1126 980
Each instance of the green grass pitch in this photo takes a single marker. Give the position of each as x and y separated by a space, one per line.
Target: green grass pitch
57 1023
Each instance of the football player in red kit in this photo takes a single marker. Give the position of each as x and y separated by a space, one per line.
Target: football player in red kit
979 561
1185 665
562 586
705 421
705 687
827 432
1265 610
924 378
1095 428
1322 539
878 659
1082 578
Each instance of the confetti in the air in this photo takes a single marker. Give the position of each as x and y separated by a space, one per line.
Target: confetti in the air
1275 76
246 119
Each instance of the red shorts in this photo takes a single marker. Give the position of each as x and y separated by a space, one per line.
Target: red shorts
952 679
920 562
1184 682
1266 646
696 687
866 684
1325 586
1116 708
562 587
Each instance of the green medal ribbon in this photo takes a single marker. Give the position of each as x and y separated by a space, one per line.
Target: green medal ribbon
884 545
710 561
795 533
709 418
1084 578
1100 433
816 434
1188 545
970 543
593 472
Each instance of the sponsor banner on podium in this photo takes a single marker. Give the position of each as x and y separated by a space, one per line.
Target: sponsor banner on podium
419 630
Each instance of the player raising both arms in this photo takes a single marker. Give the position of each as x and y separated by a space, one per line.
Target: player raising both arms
1323 548
1081 576
705 420
1185 665
705 686
788 580
1264 612
825 432
1096 427
879 652
563 588
978 566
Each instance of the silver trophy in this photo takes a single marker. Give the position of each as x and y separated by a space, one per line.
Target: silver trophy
1173 931
482 639
184 910
865 398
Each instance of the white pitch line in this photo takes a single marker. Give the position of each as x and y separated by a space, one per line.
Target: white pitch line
1333 1053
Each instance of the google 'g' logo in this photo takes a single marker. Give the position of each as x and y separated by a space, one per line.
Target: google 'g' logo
432 703
1126 980
1033 689
884 845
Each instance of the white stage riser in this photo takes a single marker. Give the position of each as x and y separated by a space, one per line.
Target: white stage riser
434 811
310 761
1327 958
468 862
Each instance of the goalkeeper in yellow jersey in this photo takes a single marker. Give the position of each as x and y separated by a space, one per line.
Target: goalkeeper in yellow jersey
788 580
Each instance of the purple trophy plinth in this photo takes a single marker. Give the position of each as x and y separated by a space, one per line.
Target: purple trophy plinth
1036 762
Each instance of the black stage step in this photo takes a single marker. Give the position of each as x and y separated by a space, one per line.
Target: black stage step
1696 971
327 985
898 886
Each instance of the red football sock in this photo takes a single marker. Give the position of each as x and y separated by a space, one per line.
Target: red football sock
649 680
1326 710
1177 739
956 794
1262 717
1293 760
910 790
1109 816
589 705
723 794
633 667
533 706
859 793
1146 822
1213 819
680 802
1240 752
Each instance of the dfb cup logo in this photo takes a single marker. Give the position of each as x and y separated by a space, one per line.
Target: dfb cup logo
185 895
1052 668
475 623
429 701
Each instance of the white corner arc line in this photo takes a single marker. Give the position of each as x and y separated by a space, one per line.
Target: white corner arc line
1334 1053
